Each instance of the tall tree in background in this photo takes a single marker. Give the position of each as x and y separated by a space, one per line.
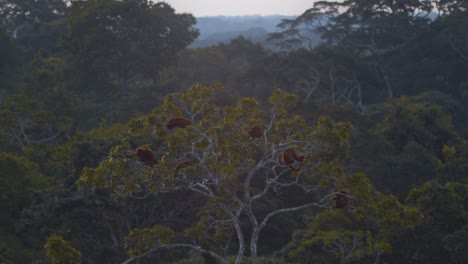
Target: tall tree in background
109 43
370 29
34 24
15 13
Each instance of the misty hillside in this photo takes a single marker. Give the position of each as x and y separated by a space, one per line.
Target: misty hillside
214 30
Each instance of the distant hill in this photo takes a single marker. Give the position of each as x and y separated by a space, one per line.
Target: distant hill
221 29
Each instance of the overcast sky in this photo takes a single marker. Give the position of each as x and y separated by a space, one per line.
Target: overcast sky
240 7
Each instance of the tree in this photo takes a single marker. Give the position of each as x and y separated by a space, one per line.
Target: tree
453 165
364 233
369 29
34 24
20 180
235 176
25 122
448 7
15 14
60 252
109 43
440 237
241 66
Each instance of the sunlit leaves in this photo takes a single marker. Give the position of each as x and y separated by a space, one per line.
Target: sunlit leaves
59 251
226 165
139 241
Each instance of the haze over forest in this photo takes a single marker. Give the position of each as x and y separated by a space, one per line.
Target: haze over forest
131 132
222 29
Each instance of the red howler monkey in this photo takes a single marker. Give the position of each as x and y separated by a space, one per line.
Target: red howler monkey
256 131
146 156
289 157
178 122
342 199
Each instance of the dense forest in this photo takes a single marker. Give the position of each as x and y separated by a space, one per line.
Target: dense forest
120 143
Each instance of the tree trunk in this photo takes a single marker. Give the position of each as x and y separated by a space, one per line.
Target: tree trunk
253 245
240 237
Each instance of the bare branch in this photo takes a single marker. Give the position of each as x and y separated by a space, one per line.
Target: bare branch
321 204
46 139
206 191
17 137
178 245
457 50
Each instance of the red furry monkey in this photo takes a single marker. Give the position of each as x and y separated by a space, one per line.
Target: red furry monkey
342 199
289 157
178 122
256 131
146 156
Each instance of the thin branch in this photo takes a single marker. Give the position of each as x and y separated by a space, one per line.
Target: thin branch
355 239
21 123
208 193
178 245
17 138
377 258
457 50
292 209
138 197
45 139
269 184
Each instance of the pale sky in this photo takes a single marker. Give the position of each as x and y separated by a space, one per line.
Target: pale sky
240 7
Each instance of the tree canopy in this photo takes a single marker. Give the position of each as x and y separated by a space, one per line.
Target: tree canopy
343 140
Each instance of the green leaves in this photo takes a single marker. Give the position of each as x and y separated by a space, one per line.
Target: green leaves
363 231
440 235
227 166
19 179
142 38
218 141
139 241
60 252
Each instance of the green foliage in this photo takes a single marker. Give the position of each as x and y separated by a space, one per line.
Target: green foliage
14 13
139 241
456 244
26 123
427 125
361 233
142 37
9 60
215 127
60 252
118 59
35 26
245 69
403 147
20 178
20 181
6 254
453 165
41 110
84 149
226 159
439 238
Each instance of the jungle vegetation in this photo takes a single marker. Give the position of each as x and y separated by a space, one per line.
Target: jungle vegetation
120 144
